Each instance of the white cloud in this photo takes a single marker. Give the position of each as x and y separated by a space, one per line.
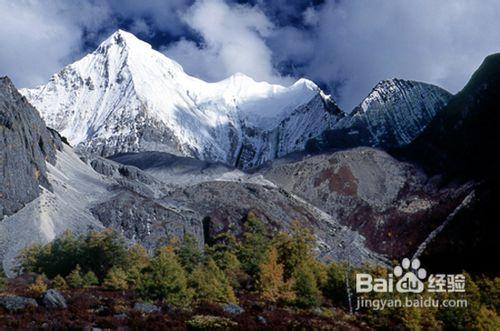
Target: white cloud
349 45
163 15
233 41
362 42
38 37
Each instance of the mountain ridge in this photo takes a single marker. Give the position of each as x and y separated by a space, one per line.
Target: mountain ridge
126 97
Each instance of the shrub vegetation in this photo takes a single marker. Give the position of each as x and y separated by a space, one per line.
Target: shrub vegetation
276 268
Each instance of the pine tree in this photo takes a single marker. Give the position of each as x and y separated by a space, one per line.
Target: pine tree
166 280
116 279
59 283
224 251
211 284
336 285
295 249
75 278
189 253
272 285
306 288
138 260
90 279
231 266
100 251
254 245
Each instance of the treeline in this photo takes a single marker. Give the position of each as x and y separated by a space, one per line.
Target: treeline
281 268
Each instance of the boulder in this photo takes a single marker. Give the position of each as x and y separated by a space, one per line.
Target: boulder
54 299
14 303
232 308
146 308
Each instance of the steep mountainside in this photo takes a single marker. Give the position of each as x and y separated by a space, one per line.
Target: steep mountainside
90 192
463 139
392 115
462 143
126 97
25 145
392 204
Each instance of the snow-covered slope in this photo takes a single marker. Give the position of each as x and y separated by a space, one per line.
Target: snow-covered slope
126 97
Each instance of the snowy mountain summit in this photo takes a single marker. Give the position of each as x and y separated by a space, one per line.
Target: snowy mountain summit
127 97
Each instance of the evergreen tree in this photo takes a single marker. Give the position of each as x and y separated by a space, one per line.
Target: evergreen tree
336 285
116 279
272 285
211 284
306 288
254 245
138 260
166 280
95 251
462 317
231 266
59 283
75 278
189 253
224 251
103 250
90 279
295 249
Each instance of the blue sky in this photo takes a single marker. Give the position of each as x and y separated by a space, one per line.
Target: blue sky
346 46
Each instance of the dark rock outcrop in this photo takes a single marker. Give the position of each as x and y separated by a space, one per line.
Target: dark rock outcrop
14 303
146 308
54 299
464 139
25 145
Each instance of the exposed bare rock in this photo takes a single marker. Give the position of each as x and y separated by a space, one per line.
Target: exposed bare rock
393 204
25 145
224 206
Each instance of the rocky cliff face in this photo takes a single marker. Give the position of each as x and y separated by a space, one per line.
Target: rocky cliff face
393 114
25 147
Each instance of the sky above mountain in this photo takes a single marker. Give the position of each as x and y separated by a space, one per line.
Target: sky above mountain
346 46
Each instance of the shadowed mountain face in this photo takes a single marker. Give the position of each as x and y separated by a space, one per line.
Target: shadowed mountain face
25 145
464 138
462 142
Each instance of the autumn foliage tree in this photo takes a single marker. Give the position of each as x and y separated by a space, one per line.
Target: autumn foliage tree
272 285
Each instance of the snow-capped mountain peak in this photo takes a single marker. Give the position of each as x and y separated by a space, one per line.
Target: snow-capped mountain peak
125 96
